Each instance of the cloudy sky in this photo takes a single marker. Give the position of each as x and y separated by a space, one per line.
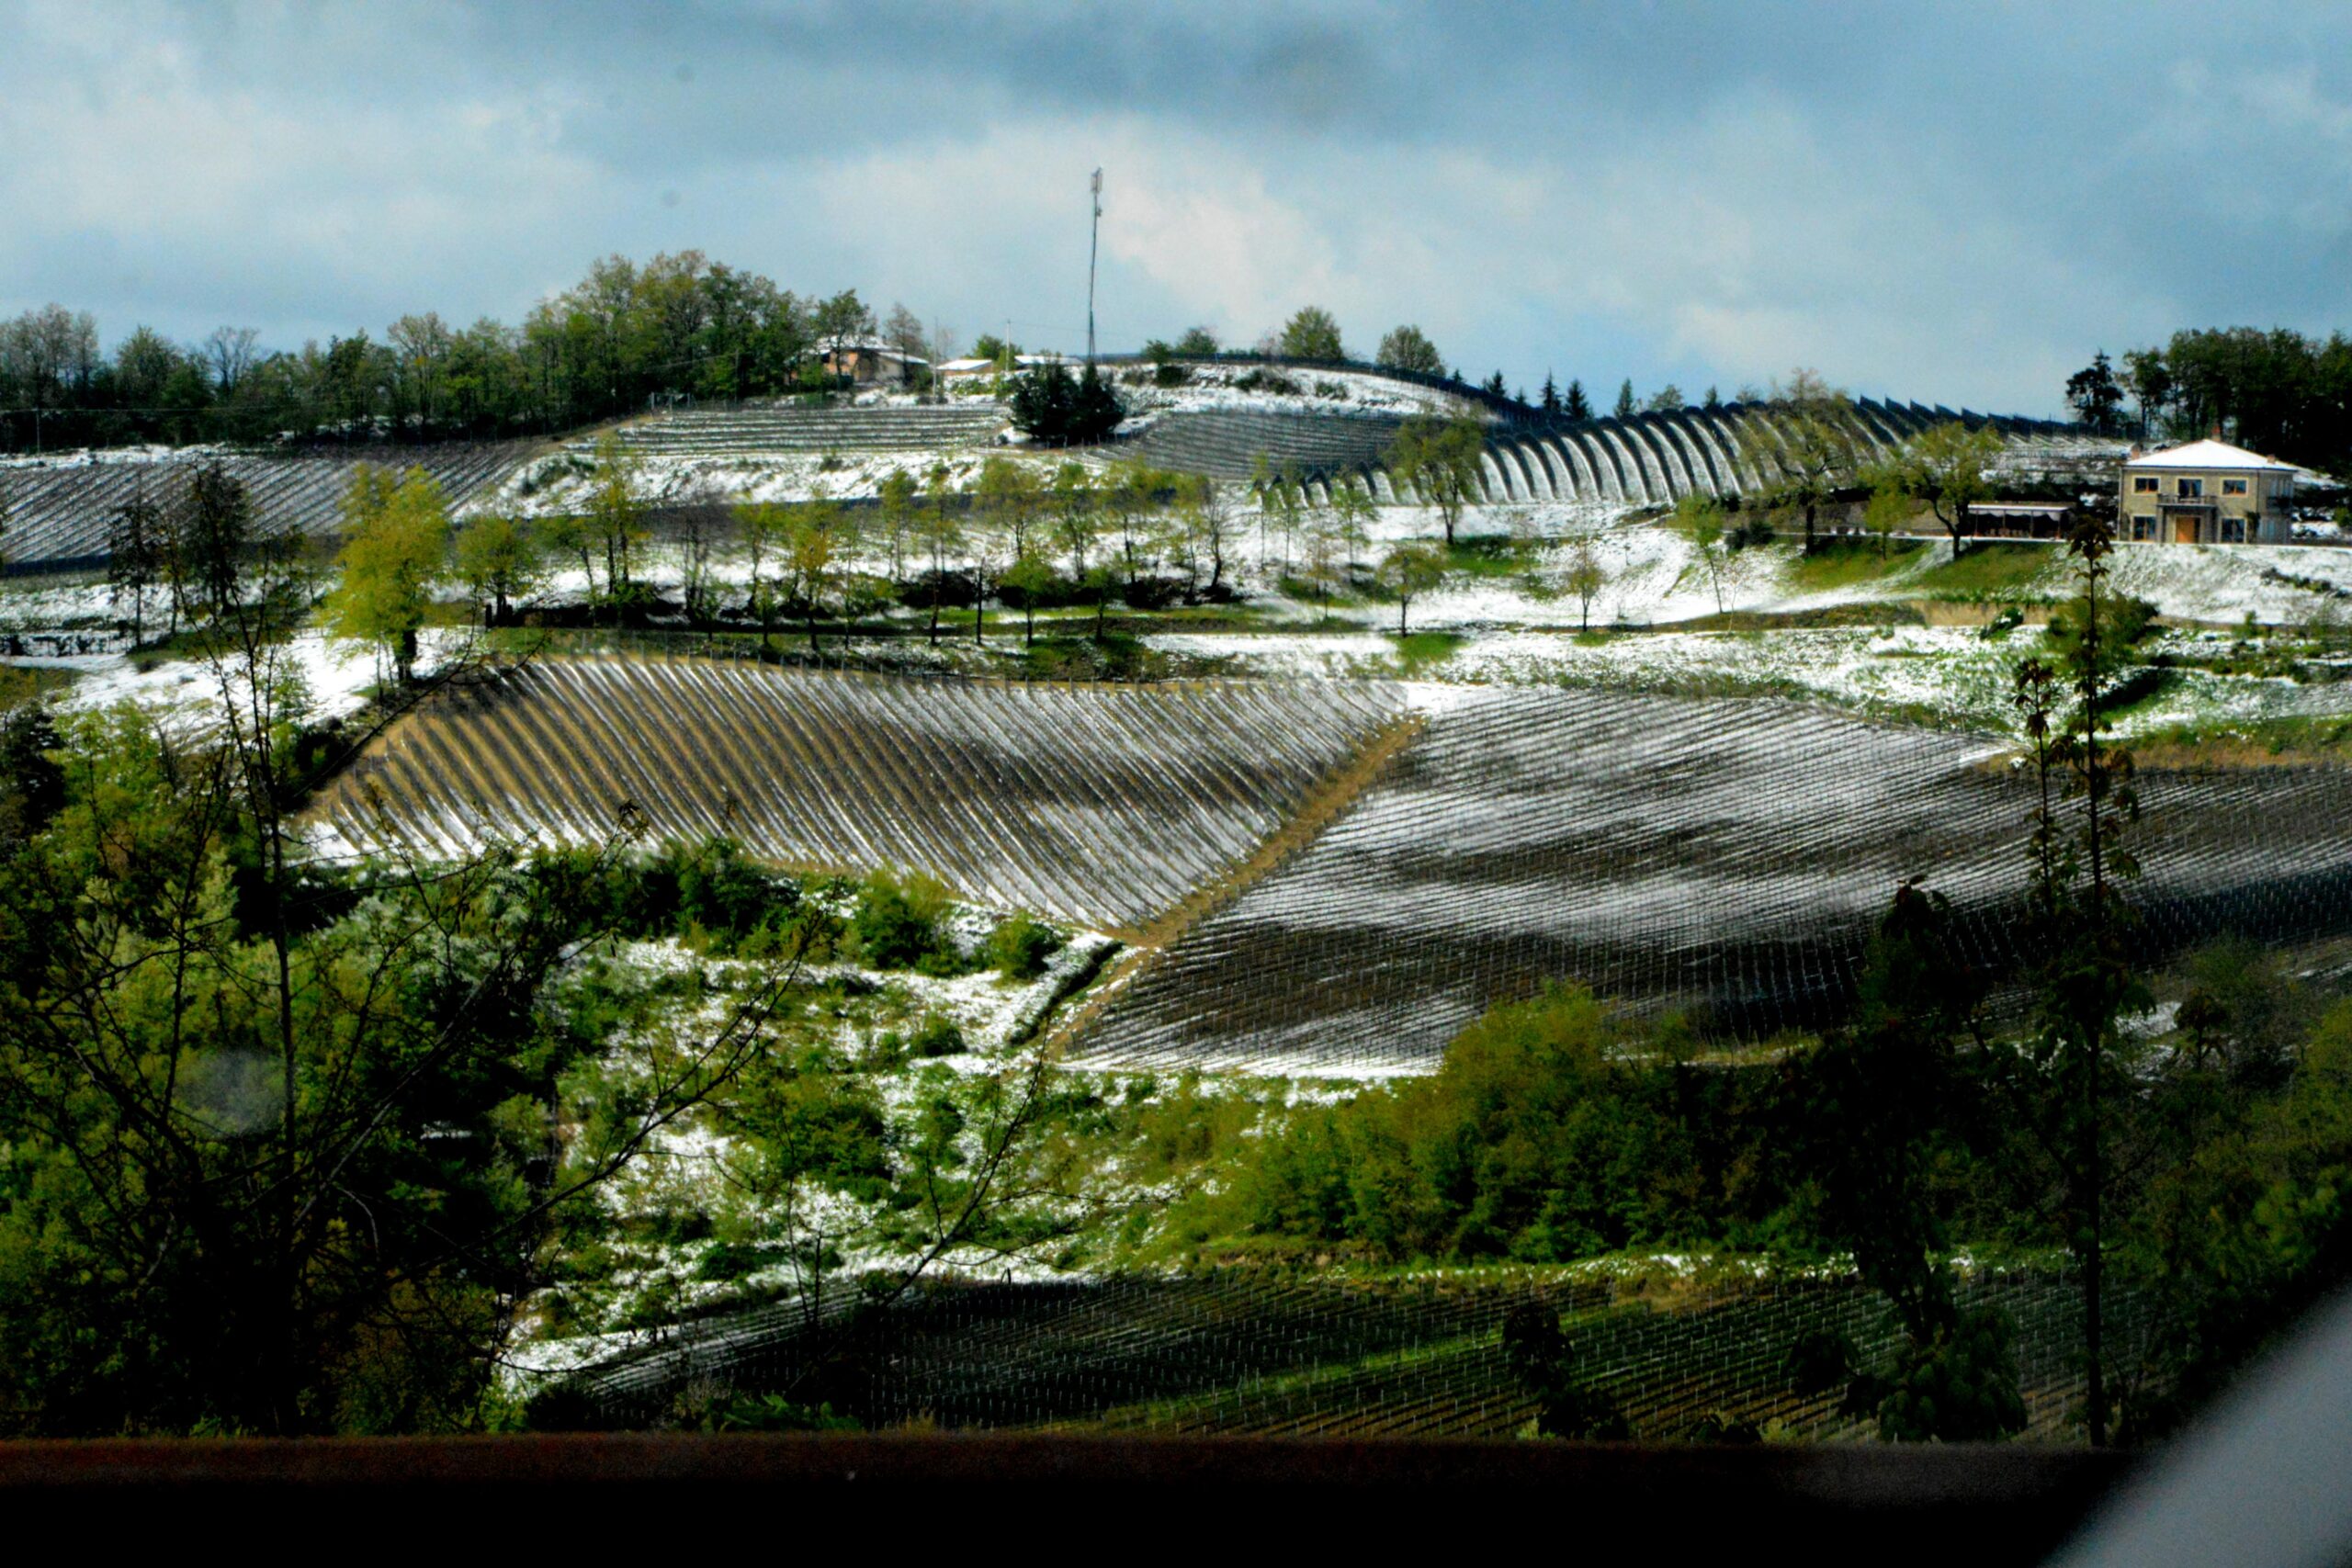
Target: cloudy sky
1953 203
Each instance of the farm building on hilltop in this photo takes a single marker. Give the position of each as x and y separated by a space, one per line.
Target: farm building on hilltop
870 361
2207 492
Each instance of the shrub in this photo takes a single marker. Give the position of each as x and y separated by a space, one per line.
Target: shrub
897 922
1151 592
1265 380
937 1035
1021 946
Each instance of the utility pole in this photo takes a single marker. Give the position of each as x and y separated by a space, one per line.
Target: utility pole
1093 237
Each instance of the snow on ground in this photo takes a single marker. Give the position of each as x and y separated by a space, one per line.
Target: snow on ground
51 604
2227 582
558 484
336 675
98 456
1212 388
1955 672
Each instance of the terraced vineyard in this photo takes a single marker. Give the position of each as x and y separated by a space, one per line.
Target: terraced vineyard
1102 805
1725 857
752 430
1419 1356
1228 446
59 513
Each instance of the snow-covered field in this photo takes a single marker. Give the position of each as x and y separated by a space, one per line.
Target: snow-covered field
1728 858
1212 388
1103 807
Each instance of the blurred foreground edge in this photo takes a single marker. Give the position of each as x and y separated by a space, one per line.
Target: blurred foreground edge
1982 1505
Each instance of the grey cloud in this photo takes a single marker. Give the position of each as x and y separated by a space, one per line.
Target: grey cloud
1942 201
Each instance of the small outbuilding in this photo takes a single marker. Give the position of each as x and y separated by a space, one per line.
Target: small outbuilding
871 361
2207 492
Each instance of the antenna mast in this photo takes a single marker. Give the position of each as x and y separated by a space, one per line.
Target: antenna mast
1093 237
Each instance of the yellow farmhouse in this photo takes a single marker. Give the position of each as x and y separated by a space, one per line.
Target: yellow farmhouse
2207 492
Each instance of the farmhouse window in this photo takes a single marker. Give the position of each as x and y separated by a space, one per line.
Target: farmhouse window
2143 484
2143 526
2234 530
2233 486
2193 488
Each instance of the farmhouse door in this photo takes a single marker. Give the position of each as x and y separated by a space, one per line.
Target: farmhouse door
2184 530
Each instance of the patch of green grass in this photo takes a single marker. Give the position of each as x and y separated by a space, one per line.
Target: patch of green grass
1489 555
1886 614
2242 743
1848 563
1998 572
1418 651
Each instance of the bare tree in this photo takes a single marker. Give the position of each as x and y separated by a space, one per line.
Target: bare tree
231 352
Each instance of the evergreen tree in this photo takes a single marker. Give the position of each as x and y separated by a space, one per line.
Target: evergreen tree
1551 394
1624 409
2096 397
1576 406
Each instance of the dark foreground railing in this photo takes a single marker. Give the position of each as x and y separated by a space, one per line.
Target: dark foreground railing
1959 1503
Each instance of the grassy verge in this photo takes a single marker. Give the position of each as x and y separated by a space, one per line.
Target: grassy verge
1995 571
1421 651
2265 743
1850 563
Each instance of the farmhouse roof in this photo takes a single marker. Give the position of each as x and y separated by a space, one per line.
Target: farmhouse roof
2208 453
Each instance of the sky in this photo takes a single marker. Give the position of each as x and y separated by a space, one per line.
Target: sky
1950 203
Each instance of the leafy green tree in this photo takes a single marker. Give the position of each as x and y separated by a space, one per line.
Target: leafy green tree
941 535
396 542
500 559
1025 583
211 534
1948 467
614 520
1702 516
763 525
1807 441
1442 460
1407 571
1666 400
1007 498
1887 510
1883 1103
1353 511
1544 1362
1409 348
897 494
817 538
1197 342
1311 333
137 542
2076 1068
1586 579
